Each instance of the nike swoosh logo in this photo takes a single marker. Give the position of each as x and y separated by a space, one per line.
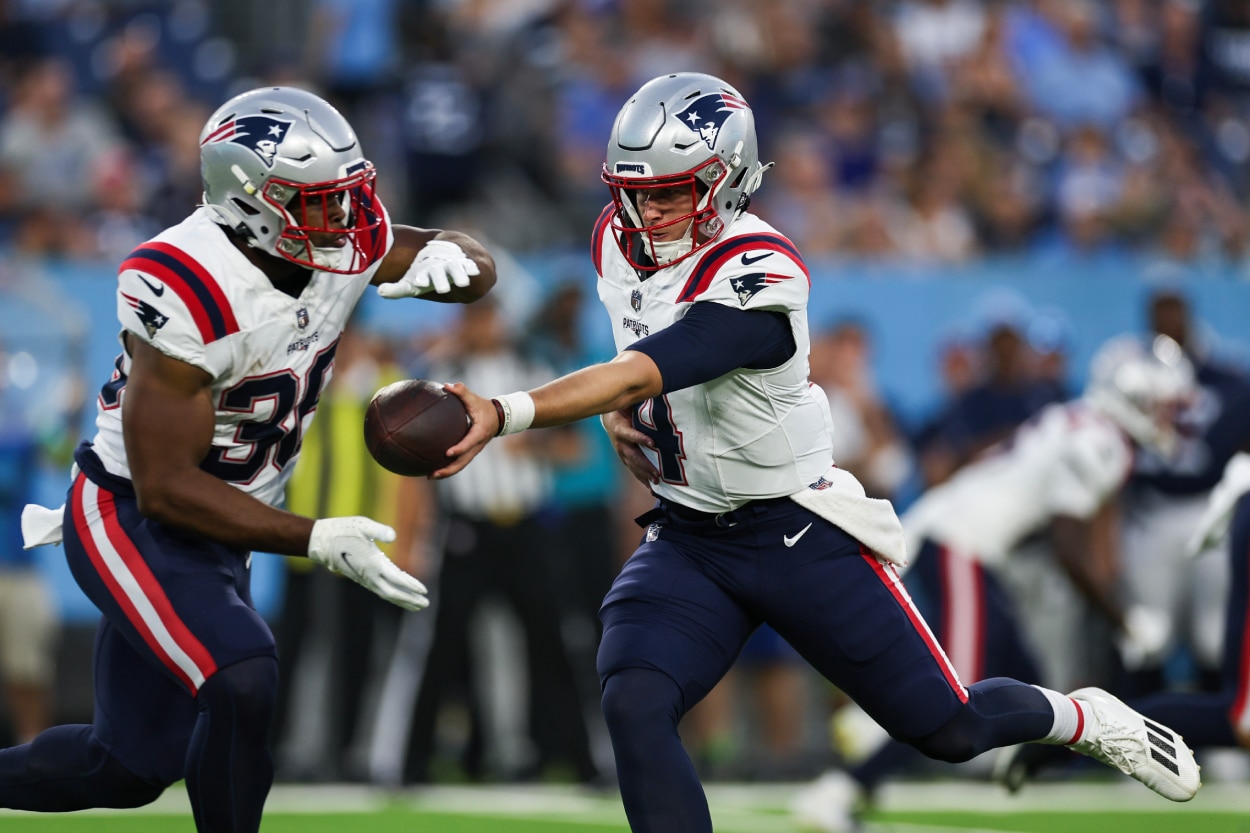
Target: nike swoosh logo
157 290
791 541
747 260
347 562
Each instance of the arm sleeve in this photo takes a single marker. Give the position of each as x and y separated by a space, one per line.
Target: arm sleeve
713 339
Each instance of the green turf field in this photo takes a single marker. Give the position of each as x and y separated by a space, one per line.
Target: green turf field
941 807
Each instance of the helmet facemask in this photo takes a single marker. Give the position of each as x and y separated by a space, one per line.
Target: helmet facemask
699 225
340 215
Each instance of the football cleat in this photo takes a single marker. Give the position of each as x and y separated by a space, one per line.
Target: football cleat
1138 747
829 804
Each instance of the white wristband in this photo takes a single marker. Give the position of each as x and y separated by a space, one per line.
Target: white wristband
516 412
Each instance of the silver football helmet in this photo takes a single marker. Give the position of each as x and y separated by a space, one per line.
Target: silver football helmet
685 130
284 169
1142 387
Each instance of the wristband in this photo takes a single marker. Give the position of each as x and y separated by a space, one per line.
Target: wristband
515 412
499 413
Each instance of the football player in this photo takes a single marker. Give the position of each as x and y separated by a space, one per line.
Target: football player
1209 719
229 325
1167 495
1060 472
708 401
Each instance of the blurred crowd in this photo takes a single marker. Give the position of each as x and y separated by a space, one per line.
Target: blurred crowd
928 131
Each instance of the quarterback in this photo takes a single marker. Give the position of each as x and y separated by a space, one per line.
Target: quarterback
230 321
708 401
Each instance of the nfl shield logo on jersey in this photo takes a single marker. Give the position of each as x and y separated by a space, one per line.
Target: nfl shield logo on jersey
635 300
653 532
301 317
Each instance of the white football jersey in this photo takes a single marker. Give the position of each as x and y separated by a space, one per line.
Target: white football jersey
1065 461
195 297
751 433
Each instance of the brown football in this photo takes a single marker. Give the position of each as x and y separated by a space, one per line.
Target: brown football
410 425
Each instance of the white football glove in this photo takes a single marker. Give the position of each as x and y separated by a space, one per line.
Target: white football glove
346 545
439 265
1147 633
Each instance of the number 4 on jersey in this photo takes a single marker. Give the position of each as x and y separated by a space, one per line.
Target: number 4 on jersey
654 418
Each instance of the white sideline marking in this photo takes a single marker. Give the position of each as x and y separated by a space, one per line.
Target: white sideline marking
736 808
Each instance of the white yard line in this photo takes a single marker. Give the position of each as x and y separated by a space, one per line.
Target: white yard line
736 808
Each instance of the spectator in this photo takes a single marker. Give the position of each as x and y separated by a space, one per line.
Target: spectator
1007 393
29 623
867 442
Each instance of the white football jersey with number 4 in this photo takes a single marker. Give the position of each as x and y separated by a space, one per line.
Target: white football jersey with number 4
195 297
1068 460
751 433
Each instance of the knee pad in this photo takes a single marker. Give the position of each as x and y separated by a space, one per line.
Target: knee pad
248 689
640 696
957 741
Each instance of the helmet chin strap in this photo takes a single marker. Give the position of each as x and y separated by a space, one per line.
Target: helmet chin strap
330 257
664 253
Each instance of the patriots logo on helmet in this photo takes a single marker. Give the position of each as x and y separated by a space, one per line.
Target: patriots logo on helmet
260 134
706 115
151 318
747 286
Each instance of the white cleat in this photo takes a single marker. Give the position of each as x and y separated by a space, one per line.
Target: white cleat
1138 747
828 804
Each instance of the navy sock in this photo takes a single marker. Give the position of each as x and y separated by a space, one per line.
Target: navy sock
999 712
229 766
66 768
659 786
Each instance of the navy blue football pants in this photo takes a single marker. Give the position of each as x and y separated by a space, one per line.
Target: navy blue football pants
692 593
185 673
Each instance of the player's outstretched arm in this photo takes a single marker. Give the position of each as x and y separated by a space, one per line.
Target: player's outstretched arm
168 421
630 378
444 266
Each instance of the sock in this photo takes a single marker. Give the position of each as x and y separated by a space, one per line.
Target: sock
1074 721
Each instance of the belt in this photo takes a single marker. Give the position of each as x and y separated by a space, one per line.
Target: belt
684 515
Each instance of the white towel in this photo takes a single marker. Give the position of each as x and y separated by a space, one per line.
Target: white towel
840 499
41 525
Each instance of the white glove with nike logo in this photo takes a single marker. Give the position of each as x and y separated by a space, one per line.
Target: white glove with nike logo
346 545
439 265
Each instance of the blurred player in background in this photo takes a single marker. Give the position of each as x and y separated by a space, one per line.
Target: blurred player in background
230 321
1167 495
1059 473
1208 719
708 401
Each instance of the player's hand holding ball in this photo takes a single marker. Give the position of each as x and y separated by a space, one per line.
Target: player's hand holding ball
347 546
440 265
410 425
